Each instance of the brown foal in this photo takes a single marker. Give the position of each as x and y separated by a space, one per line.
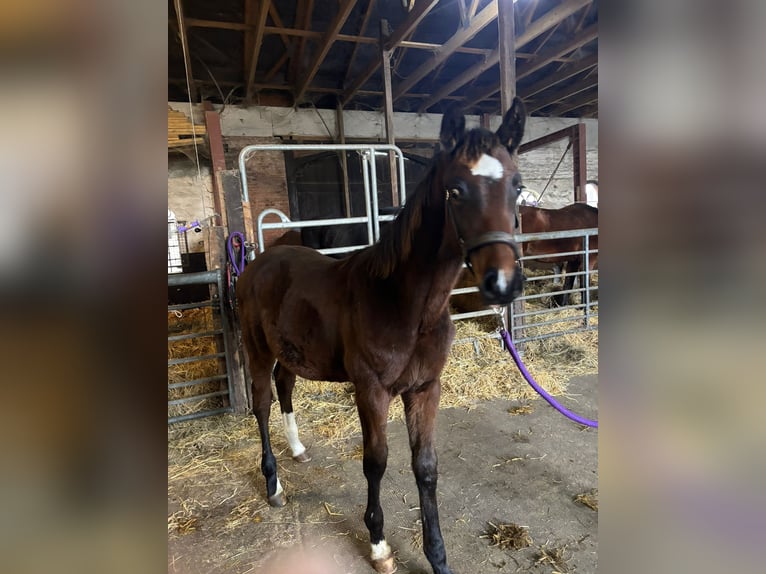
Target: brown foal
379 318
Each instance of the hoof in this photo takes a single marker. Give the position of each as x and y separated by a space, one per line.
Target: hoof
302 457
385 565
278 500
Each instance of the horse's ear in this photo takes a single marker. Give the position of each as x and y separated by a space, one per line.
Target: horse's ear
511 130
453 127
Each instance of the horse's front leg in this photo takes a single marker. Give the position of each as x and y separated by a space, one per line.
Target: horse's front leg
372 402
420 408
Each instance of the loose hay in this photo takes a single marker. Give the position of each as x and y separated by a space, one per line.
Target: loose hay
506 536
552 557
589 499
194 321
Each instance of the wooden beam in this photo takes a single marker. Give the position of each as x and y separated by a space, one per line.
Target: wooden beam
362 30
583 100
332 32
464 20
263 11
462 36
251 18
587 35
527 16
583 85
341 137
185 49
579 164
305 10
388 107
421 9
275 17
472 9
563 74
361 39
539 26
276 67
505 34
218 160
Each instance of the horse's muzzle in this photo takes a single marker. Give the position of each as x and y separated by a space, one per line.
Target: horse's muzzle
497 288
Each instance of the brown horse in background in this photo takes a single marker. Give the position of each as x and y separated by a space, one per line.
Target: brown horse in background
570 217
379 317
539 220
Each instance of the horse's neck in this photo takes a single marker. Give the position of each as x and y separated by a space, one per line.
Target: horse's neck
431 271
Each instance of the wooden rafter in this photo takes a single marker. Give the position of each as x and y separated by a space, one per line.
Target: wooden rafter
463 35
263 11
421 9
185 48
277 19
526 18
538 27
276 67
584 99
580 86
472 9
553 54
563 74
270 30
287 88
362 30
305 10
332 32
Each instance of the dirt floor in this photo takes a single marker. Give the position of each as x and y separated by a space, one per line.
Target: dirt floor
498 464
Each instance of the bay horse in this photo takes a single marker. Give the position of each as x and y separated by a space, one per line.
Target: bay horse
538 220
569 217
379 317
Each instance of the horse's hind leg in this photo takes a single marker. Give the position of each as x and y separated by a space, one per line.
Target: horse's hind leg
285 383
260 371
372 404
572 267
420 410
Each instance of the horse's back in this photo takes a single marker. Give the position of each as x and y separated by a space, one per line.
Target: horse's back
288 301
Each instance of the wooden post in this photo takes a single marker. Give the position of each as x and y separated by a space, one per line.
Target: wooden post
217 159
506 36
507 52
343 159
579 164
388 101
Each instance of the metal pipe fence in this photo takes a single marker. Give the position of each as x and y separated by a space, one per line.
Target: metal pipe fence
204 392
369 172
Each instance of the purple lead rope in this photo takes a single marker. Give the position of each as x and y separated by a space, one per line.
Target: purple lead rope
564 411
239 266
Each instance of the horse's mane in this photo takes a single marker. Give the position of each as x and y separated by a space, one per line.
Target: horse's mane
396 241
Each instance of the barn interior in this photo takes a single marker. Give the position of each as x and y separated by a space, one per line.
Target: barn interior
308 74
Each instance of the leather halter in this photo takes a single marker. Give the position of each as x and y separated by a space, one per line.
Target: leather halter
470 245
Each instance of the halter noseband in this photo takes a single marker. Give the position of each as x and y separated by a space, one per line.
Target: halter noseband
488 238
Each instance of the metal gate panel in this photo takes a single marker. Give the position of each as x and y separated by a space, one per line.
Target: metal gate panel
215 303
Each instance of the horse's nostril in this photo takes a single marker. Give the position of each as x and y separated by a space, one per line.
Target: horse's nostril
489 283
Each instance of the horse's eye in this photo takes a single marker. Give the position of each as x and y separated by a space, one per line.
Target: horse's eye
454 193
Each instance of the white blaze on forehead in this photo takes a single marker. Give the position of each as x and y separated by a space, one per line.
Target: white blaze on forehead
488 166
